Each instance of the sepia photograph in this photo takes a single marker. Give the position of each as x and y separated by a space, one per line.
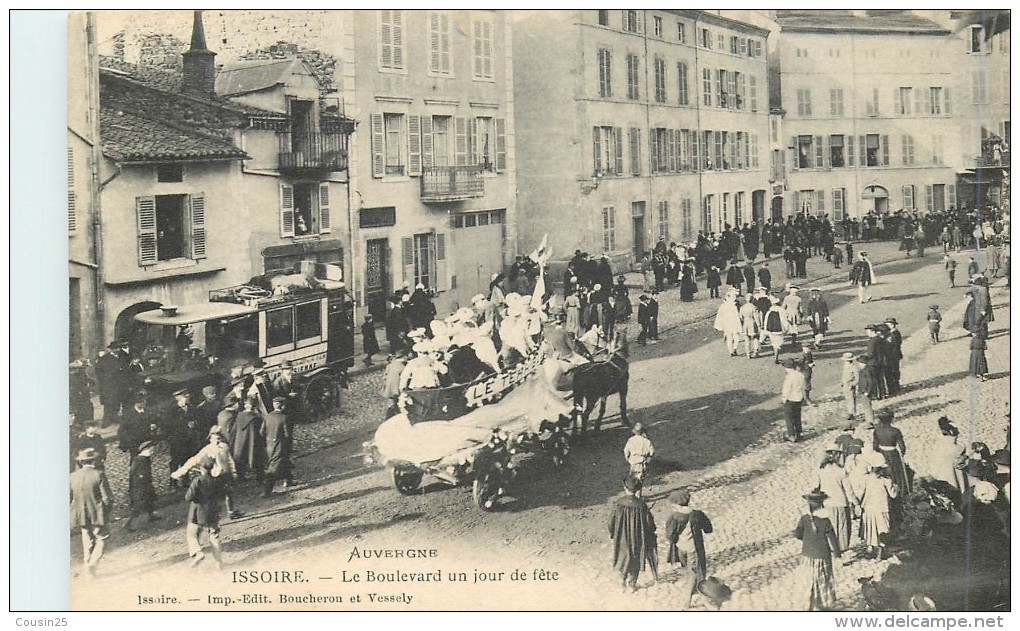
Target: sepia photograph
540 310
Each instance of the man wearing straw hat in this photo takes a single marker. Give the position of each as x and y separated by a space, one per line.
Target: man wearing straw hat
91 507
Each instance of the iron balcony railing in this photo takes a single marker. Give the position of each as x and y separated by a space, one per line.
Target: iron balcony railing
444 184
313 151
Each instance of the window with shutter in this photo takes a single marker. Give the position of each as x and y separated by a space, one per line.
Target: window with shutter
414 145
908 197
439 44
391 39
500 144
145 211
929 198
460 140
198 235
378 145
605 73
949 108
325 219
885 151
596 139
753 92
653 150
442 277
482 33
820 162
951 195
850 151
286 210
427 143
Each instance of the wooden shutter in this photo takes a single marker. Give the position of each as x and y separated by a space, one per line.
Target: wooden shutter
897 102
500 144
951 195
695 139
849 151
927 102
407 258
885 151
145 210
435 64
929 197
618 149
864 150
414 145
819 152
72 194
198 240
398 38
427 150
286 210
670 150
917 101
819 201
460 140
385 38
442 271
949 108
378 145
325 220
597 147
472 141
653 150
635 150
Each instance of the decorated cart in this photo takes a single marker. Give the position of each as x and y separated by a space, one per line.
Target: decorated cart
468 434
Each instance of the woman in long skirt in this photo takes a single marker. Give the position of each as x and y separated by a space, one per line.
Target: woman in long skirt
875 495
832 480
688 284
818 545
978 361
572 309
889 442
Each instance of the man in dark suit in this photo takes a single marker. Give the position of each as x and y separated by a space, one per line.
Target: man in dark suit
110 373
765 276
749 277
207 409
91 507
182 432
279 439
642 318
895 355
135 428
92 439
653 316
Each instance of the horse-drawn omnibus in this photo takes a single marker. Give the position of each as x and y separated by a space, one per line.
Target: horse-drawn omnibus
305 319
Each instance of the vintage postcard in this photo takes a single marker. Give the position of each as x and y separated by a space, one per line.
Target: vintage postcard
473 309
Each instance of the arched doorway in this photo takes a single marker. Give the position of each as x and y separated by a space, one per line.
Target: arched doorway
777 208
879 199
127 328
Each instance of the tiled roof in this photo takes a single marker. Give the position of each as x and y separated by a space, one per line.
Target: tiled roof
833 21
128 137
170 82
251 76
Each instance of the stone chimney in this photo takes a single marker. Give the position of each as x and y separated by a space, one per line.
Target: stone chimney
199 72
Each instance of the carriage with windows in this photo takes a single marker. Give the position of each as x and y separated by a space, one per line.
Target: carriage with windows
304 318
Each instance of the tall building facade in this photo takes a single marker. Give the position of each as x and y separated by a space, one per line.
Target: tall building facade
636 125
429 193
871 112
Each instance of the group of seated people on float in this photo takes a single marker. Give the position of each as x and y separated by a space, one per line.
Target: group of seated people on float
485 339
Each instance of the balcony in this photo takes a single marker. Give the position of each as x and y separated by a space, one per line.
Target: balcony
312 151
450 184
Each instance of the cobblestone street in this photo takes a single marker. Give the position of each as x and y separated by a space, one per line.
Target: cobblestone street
717 428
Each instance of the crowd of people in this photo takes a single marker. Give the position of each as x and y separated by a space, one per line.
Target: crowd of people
245 433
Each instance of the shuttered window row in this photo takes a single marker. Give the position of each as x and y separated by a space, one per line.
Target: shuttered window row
425 141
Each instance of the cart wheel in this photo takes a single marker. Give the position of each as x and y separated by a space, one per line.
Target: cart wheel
320 397
485 492
405 480
561 447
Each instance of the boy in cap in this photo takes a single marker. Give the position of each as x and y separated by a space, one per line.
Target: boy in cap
632 530
638 451
92 439
204 496
950 264
793 394
91 507
685 531
934 322
140 488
